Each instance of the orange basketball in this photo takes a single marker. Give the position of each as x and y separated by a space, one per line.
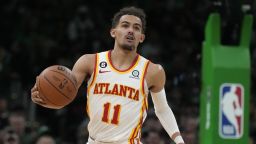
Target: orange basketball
57 86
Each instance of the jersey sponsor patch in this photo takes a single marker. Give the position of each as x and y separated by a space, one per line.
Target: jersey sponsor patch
231 111
135 74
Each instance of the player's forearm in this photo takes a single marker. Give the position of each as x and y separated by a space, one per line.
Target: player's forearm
166 116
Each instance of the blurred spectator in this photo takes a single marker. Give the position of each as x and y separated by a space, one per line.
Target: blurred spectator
152 137
17 121
3 112
81 25
10 136
45 139
80 28
189 123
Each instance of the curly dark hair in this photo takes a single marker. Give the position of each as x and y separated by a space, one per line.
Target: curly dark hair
130 11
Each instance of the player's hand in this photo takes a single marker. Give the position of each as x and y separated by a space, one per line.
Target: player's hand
35 96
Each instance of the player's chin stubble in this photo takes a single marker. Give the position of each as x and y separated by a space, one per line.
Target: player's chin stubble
128 47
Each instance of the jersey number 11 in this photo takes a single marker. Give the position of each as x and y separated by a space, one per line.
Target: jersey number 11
116 114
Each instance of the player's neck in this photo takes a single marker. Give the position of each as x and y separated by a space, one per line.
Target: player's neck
122 59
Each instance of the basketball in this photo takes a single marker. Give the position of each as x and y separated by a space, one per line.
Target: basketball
57 87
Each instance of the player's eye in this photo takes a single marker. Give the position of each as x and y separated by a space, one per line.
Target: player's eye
125 25
137 28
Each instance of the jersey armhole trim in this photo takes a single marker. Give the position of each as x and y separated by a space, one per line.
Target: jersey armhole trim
95 71
144 76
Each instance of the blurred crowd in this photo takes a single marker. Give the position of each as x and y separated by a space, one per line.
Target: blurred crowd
38 34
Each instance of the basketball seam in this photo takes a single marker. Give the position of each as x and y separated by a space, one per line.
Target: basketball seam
65 76
56 88
43 94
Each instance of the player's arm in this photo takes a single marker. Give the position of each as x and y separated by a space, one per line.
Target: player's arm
156 80
83 67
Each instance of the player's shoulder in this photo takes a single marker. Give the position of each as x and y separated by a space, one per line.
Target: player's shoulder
154 69
86 61
155 77
88 57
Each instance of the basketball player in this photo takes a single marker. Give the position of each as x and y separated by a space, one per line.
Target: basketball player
45 139
120 80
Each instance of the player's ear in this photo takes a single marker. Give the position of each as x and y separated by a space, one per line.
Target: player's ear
142 38
113 33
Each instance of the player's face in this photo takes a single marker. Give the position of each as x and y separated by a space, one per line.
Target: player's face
128 33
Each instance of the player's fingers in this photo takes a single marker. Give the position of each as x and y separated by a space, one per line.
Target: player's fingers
41 103
36 98
35 94
38 101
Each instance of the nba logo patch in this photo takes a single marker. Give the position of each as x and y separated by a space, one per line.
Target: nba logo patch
231 111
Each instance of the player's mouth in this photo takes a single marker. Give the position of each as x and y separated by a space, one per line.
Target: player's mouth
130 37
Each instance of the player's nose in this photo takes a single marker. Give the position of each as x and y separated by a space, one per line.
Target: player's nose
130 30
